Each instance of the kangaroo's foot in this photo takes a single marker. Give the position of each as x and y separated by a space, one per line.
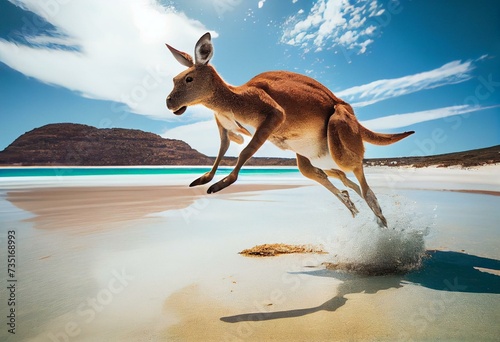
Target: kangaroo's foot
224 183
207 177
372 202
343 196
382 222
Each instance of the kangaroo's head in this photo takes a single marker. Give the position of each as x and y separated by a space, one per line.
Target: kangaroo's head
194 85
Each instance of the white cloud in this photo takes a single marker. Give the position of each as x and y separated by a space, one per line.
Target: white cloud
107 50
261 3
202 136
408 119
333 23
364 45
366 94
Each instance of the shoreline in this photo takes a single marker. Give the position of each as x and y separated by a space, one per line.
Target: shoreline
143 167
483 178
392 166
479 192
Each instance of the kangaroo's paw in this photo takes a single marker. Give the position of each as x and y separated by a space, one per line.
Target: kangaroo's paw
371 199
344 197
224 183
207 177
382 222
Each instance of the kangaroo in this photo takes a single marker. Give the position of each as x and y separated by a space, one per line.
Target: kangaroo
293 111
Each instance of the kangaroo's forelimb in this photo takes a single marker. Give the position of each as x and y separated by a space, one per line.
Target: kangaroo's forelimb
273 120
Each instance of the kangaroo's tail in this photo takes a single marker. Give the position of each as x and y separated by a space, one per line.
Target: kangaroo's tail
382 138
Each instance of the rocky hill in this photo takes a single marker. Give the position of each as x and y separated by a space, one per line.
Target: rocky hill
79 145
82 145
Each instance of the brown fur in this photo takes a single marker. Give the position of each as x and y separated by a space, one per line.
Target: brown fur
293 111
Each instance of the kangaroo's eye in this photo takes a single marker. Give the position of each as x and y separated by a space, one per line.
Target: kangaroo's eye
189 79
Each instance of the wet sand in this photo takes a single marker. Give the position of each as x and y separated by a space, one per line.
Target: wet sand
87 209
481 192
160 262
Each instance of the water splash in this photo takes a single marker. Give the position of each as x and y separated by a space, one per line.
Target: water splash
361 247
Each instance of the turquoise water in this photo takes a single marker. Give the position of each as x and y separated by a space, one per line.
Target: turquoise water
118 171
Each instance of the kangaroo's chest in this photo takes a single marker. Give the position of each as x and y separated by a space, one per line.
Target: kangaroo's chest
228 121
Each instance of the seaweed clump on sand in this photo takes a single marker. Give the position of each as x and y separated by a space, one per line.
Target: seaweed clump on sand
275 249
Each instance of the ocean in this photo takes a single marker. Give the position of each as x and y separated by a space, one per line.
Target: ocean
124 171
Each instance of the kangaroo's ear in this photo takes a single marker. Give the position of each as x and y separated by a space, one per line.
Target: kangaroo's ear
203 50
182 57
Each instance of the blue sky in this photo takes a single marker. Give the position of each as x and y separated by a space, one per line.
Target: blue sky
428 66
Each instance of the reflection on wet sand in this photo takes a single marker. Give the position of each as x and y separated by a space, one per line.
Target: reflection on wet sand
95 208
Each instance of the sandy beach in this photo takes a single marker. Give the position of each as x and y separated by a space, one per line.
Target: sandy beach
146 258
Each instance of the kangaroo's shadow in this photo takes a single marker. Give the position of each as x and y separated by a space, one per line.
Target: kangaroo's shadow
443 271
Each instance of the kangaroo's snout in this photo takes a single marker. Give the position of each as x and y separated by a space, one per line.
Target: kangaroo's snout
171 106
169 102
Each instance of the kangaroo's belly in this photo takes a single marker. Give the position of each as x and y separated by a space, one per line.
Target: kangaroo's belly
309 146
324 162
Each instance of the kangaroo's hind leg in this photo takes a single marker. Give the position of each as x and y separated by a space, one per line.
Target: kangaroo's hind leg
347 150
346 181
369 196
312 172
